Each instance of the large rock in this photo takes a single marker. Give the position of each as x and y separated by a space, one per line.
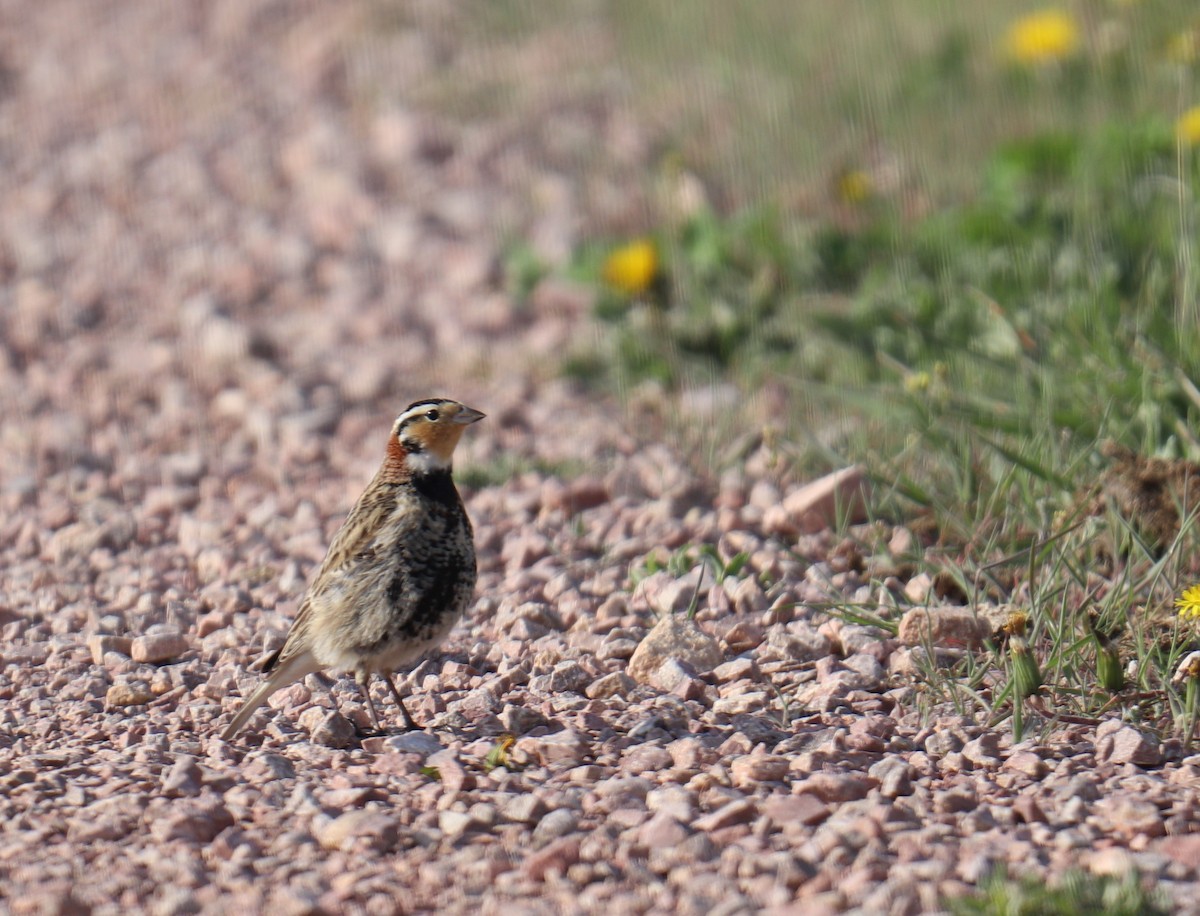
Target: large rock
943 627
821 504
674 636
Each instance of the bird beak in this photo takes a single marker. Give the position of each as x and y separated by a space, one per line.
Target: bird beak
468 415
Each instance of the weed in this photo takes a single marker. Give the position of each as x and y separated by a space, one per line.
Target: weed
1077 893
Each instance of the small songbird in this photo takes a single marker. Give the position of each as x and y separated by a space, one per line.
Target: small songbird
399 573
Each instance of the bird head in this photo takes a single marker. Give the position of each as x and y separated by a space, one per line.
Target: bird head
426 433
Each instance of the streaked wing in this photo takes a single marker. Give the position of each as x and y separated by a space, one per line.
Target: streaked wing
356 535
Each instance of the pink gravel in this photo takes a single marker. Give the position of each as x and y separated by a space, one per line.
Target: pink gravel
227 263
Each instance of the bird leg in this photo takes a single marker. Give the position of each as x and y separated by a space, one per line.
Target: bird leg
364 678
408 719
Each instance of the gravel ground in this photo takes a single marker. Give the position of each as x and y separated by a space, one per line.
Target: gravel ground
223 274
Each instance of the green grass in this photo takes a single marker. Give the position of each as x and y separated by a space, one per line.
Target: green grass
507 466
899 249
974 272
1075 894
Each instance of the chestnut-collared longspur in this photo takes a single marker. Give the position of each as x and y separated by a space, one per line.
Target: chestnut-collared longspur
399 573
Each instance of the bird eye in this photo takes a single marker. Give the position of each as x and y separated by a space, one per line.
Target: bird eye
432 415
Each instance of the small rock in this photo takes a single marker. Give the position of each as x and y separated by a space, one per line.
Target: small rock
566 677
611 685
752 769
451 772
1116 862
670 674
161 647
870 673
414 742
557 857
735 670
558 823
894 775
839 496
183 779
836 787
99 644
195 822
739 811
673 800
372 829
674 636
523 809
562 747
983 751
1184 849
803 809
645 758
664 593
748 597
662 831
328 727
796 641
136 693
743 636
744 703
455 823
1026 763
941 743
955 627
1128 745
1026 808
954 801
1130 816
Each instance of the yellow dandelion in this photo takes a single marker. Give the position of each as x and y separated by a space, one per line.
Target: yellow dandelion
1016 623
631 268
1188 604
1187 128
854 186
918 382
1044 37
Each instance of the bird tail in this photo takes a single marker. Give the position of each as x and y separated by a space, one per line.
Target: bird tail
290 671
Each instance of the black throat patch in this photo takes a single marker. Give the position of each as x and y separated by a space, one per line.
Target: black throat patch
438 487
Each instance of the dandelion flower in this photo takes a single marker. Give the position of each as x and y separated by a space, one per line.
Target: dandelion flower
631 268
1044 37
918 382
1187 128
1188 604
854 186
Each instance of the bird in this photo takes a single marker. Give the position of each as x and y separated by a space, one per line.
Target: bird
399 573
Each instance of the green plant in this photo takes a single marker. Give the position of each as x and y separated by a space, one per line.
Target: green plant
1076 893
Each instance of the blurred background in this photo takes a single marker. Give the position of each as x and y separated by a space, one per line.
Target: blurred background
921 234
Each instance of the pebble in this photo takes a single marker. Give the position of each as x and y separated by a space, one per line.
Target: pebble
523 809
229 264
615 684
661 831
328 727
739 811
753 769
805 809
158 648
137 693
675 636
1126 744
368 829
100 645
557 823
554 858
953 627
